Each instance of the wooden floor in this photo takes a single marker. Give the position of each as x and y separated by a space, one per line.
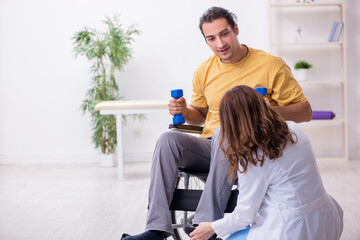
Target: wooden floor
75 202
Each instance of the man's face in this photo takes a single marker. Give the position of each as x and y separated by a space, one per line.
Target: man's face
222 39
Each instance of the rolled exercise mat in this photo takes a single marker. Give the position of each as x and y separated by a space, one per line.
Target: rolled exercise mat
323 115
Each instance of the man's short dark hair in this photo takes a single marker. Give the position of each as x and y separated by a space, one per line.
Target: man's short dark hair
214 13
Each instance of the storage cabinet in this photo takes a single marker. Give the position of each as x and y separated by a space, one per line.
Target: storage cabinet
300 31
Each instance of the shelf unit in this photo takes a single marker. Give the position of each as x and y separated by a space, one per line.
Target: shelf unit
329 60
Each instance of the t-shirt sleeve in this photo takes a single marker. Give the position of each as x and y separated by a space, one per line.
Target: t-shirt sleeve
286 90
198 98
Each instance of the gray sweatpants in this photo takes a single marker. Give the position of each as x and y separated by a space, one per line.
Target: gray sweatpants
173 150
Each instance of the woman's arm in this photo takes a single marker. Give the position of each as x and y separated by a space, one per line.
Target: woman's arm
252 189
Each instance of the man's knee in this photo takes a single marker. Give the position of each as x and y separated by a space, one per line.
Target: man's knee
169 137
171 142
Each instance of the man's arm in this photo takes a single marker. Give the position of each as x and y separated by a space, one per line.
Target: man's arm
297 112
195 115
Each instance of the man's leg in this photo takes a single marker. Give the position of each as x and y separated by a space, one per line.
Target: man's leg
173 149
217 189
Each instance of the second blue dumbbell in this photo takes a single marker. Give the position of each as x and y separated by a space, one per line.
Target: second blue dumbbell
261 90
178 118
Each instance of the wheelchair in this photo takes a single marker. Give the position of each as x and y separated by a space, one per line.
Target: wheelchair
188 192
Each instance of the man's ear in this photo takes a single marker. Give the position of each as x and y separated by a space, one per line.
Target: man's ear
236 29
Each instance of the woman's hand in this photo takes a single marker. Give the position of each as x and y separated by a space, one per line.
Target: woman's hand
202 232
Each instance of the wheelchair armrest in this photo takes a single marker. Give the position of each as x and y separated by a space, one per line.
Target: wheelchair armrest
186 128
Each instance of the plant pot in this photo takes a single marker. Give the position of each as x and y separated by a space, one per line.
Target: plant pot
302 74
108 160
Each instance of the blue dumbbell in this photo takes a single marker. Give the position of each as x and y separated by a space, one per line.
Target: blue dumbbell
261 90
178 118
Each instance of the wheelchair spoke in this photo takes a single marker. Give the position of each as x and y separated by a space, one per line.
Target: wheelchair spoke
178 217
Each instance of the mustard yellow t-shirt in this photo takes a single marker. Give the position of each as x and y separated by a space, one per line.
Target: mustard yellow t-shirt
213 79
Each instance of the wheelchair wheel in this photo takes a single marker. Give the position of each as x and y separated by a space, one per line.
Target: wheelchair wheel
180 219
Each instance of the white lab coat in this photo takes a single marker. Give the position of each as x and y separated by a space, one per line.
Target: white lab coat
285 199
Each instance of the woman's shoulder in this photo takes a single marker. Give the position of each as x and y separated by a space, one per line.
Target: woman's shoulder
298 134
293 127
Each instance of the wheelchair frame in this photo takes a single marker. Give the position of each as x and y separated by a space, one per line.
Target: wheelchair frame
186 199
188 192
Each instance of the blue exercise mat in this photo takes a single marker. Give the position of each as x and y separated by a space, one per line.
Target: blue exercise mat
240 235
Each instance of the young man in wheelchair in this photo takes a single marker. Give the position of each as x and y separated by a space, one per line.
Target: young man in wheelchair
231 64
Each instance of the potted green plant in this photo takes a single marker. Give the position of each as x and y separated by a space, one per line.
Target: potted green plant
108 51
302 67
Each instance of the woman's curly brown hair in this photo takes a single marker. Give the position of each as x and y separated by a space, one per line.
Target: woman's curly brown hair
250 130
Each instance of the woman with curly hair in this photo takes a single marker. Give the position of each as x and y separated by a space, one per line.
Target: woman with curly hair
281 194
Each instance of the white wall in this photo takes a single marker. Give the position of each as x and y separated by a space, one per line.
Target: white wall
42 85
353 60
